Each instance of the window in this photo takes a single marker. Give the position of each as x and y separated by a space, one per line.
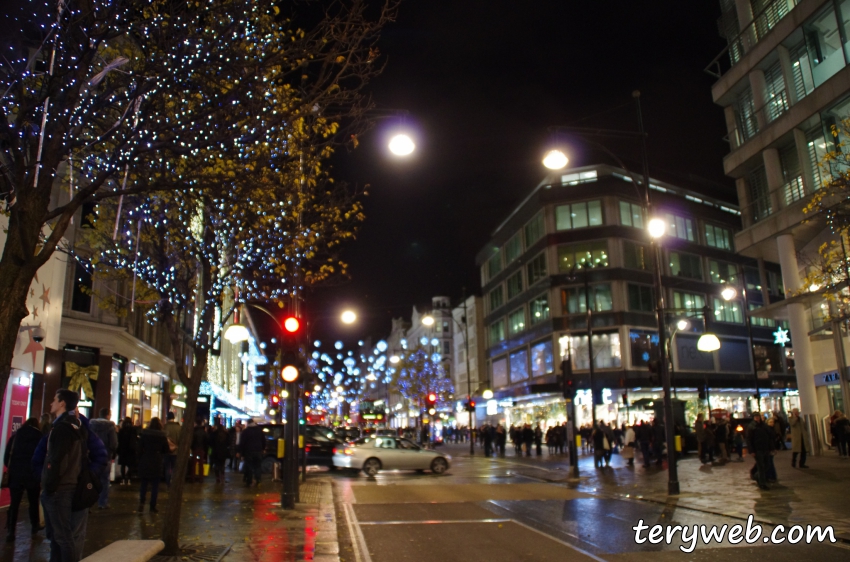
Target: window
447 348
578 177
635 256
446 327
774 280
728 311
496 298
685 265
588 254
644 347
537 269
757 321
758 195
691 301
513 249
753 278
500 372
519 365
640 298
745 116
81 296
574 301
792 174
680 227
777 99
497 332
824 45
539 309
817 148
801 69
534 230
542 361
516 321
606 351
514 284
631 214
494 265
578 215
723 273
718 237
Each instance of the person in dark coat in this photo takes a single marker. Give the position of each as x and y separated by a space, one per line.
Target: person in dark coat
760 443
127 444
153 446
597 436
200 444
18 459
538 439
252 443
219 450
527 438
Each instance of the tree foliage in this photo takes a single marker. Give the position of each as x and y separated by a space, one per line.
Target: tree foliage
419 374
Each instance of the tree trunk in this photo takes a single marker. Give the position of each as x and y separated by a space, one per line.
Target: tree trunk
13 293
171 518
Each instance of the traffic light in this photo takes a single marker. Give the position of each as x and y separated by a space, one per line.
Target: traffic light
625 399
431 400
261 380
469 406
291 363
567 379
274 400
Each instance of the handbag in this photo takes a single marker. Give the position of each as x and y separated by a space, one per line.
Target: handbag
88 483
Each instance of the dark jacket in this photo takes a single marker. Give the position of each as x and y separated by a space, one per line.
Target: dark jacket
760 438
128 443
18 457
219 444
200 439
98 459
63 459
153 445
105 430
252 440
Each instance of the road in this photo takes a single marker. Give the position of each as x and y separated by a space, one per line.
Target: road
518 509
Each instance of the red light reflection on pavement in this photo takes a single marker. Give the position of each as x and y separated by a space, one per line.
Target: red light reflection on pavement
276 536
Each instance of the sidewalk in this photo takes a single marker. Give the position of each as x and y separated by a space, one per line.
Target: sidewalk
819 495
229 522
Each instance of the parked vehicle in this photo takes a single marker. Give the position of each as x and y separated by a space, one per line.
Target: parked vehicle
371 454
319 442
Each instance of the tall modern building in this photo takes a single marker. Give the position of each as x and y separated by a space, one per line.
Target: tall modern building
568 274
784 83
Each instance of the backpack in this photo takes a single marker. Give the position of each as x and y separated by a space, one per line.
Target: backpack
88 483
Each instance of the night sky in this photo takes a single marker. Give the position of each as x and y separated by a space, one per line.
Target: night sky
483 81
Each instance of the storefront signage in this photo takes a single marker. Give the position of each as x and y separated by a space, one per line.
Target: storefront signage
85 404
606 396
178 403
826 379
492 407
203 399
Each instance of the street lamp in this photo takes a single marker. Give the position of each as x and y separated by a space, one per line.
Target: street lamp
555 160
729 293
348 317
401 145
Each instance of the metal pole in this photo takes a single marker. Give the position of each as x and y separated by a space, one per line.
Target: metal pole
590 347
748 320
290 455
468 375
574 473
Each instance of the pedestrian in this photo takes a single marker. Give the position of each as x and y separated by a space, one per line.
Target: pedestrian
629 447
599 445
487 433
501 440
200 444
153 448
721 435
781 429
18 461
527 438
172 433
699 430
708 443
760 444
538 439
59 457
800 444
644 438
659 437
219 450
251 447
233 435
105 429
609 439
842 434
516 437
127 443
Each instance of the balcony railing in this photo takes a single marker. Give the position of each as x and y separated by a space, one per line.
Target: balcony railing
756 30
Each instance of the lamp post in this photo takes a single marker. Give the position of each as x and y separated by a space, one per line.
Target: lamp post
589 327
728 294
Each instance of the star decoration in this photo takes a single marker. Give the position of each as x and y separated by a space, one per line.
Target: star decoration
32 347
45 297
781 337
32 292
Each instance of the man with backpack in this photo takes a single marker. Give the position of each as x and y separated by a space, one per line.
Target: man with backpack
60 459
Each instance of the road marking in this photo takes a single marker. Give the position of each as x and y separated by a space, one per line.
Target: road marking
577 549
358 541
435 522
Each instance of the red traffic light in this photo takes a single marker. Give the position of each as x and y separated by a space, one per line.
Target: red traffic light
275 399
432 398
471 405
291 324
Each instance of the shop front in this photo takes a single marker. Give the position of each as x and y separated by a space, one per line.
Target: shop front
145 394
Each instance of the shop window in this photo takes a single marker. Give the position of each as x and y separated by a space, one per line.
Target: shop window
641 298
513 249
519 366
542 361
585 255
537 269
643 346
728 311
500 372
514 284
574 300
685 265
606 351
631 214
635 256
578 215
539 309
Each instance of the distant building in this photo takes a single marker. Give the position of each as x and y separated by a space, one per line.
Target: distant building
578 238
469 334
784 83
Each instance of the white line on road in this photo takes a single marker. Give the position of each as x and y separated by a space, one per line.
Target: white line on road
577 549
358 542
435 522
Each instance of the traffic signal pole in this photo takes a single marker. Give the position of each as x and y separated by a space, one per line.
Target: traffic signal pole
289 492
570 397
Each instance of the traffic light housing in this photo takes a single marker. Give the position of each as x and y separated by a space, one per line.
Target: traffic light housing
291 363
431 400
625 399
274 401
262 384
568 380
469 405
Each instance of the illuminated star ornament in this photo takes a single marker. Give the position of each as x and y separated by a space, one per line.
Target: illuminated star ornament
780 337
33 347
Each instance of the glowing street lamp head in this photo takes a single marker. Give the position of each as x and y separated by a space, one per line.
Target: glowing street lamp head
348 317
657 227
728 293
401 145
428 320
236 333
708 343
683 324
395 359
487 394
555 160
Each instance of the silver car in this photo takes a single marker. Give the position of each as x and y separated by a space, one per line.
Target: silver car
372 454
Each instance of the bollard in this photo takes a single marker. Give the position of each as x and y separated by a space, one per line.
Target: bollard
276 472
